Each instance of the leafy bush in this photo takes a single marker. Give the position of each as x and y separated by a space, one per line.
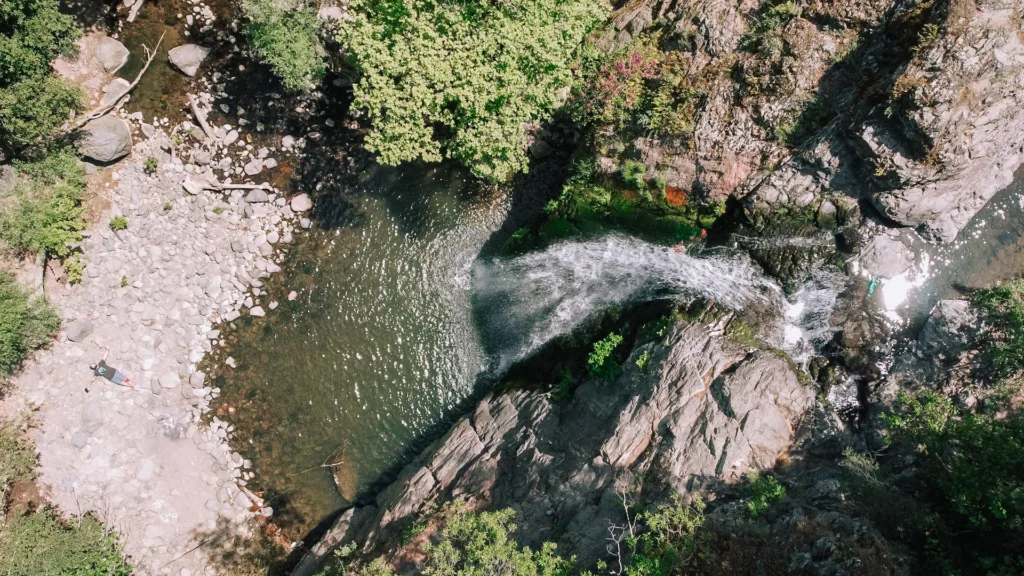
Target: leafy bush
978 459
41 543
26 323
1004 307
45 217
118 223
673 538
613 85
461 79
475 544
74 268
763 36
17 459
32 110
149 165
633 174
761 492
600 363
34 102
286 35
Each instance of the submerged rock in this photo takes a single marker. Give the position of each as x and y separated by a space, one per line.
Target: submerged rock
188 57
105 139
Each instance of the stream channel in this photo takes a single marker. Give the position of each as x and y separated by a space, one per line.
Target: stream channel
397 320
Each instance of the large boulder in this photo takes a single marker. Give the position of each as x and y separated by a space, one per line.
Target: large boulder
105 139
111 54
188 57
78 330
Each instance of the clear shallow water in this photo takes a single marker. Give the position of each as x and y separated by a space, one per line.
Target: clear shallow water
378 347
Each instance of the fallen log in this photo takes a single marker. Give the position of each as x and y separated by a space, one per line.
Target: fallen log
102 110
195 186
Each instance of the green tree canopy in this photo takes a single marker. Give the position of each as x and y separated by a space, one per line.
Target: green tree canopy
460 79
33 102
286 35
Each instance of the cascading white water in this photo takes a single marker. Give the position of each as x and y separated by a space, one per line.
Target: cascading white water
530 299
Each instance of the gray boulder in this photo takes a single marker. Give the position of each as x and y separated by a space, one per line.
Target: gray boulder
886 257
257 196
188 57
113 91
254 167
92 417
105 139
301 203
111 54
951 327
78 330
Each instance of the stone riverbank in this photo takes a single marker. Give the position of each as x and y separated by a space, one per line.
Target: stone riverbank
145 460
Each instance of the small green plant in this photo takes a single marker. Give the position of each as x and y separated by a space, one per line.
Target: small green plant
74 269
926 37
168 207
633 174
863 466
762 490
600 363
118 223
562 390
218 210
124 281
149 165
412 531
641 362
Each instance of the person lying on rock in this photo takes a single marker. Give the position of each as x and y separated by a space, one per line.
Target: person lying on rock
110 373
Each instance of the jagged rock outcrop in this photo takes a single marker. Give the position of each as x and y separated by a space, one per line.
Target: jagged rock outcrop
704 409
914 105
962 99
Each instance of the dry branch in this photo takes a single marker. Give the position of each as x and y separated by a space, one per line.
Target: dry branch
200 116
98 112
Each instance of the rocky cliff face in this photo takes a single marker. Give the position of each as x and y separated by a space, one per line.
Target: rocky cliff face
915 105
705 409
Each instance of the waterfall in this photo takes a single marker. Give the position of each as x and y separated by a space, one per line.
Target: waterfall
530 299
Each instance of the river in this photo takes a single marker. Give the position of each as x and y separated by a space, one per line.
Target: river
397 319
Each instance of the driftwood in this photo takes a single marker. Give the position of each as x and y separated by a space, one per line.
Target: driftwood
195 186
225 186
134 11
98 112
200 116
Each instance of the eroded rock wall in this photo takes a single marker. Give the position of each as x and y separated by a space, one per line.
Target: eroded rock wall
704 409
